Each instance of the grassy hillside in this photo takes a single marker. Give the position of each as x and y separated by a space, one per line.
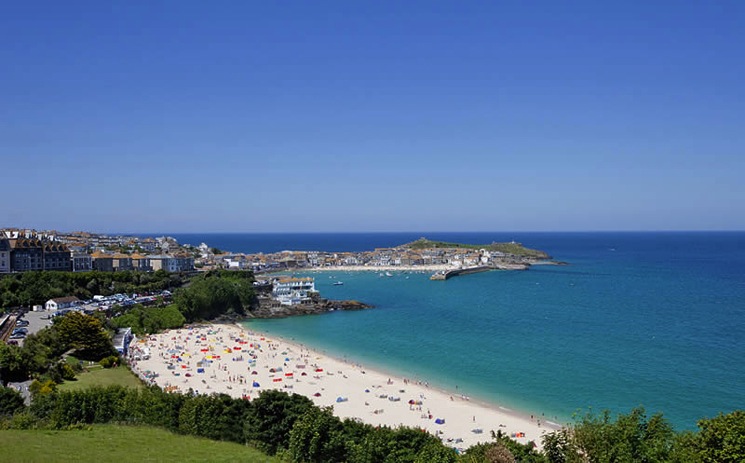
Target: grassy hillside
119 443
99 376
507 248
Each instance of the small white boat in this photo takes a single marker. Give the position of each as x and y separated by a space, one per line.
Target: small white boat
388 274
338 283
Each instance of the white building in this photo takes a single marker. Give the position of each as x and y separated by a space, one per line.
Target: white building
60 303
293 291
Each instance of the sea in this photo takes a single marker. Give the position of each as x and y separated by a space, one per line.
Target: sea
652 319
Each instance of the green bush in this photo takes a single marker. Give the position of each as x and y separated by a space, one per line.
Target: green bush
110 361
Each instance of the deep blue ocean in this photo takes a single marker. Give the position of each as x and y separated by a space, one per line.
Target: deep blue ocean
652 319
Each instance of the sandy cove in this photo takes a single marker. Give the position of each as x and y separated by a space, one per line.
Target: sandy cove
232 360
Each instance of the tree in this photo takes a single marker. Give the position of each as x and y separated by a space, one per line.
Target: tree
597 438
317 436
11 401
271 418
12 366
86 335
216 293
721 439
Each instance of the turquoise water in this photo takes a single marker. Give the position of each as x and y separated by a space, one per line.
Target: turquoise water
652 319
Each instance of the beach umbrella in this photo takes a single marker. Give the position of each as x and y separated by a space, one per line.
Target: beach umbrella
317 394
254 372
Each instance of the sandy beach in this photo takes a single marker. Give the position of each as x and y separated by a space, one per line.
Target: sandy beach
230 359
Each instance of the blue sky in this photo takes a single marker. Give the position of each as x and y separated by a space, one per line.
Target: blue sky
372 116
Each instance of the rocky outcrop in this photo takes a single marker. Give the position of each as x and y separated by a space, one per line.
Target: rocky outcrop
271 309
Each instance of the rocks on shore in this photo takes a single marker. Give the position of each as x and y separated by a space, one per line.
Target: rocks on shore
270 309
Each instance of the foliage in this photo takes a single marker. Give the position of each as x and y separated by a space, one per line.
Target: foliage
12 365
11 401
85 334
317 436
503 449
384 444
630 438
216 416
292 426
37 388
145 320
216 293
272 417
37 287
720 439
101 443
110 361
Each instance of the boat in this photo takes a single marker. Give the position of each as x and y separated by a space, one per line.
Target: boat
338 283
388 274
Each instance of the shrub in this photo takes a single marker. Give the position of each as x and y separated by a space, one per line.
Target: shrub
110 361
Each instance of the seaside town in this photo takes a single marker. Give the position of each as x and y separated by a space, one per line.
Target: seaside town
241 363
24 249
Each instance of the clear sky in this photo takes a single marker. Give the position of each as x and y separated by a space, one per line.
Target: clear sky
135 116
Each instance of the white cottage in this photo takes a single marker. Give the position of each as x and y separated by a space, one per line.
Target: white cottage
59 303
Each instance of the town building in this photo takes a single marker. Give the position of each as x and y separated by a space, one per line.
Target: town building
181 263
4 255
60 303
81 262
103 262
293 291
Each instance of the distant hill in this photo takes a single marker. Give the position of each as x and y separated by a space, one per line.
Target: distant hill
513 248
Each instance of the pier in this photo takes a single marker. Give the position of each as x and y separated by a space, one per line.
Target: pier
446 274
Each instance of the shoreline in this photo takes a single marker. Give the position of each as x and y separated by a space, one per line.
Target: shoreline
186 358
517 412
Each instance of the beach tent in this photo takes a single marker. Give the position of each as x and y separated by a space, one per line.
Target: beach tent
440 421
341 399
255 384
200 370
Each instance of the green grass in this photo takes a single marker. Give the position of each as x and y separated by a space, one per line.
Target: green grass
102 443
98 376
